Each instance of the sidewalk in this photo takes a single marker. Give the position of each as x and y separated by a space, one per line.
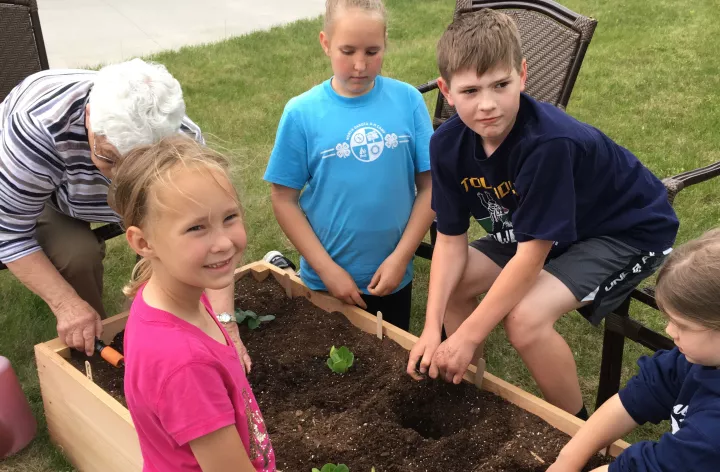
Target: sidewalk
82 33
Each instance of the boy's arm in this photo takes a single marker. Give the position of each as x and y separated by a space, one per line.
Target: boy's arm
511 286
609 423
455 354
448 264
295 225
386 279
222 451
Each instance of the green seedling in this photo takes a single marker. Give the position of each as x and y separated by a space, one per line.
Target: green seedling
332 468
340 360
253 319
335 468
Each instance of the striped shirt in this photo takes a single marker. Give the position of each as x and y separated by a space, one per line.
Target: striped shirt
45 158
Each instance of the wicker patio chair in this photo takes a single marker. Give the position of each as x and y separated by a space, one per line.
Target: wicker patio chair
22 50
555 40
22 53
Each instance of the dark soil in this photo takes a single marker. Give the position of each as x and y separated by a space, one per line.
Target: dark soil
373 416
105 375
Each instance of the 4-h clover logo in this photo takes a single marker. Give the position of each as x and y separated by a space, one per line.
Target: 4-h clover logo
342 150
391 140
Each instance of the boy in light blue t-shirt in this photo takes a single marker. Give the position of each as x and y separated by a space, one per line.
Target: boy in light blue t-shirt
358 145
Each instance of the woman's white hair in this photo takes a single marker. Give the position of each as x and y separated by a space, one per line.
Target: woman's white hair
135 103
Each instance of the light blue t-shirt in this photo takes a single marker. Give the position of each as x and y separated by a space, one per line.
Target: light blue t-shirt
356 159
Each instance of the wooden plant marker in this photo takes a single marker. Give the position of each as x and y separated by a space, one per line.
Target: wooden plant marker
480 364
88 371
287 283
379 325
480 372
540 459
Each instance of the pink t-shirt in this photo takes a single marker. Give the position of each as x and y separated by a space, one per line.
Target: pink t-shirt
181 384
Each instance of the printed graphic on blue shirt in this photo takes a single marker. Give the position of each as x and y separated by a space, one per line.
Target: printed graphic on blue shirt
366 142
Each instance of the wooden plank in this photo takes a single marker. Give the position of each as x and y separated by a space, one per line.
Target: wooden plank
89 426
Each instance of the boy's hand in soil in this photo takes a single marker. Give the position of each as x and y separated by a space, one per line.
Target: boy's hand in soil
423 352
388 276
452 358
342 286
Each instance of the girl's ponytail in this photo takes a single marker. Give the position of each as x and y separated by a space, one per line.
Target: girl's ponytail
140 275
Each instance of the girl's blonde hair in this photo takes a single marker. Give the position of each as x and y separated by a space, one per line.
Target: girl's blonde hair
688 284
133 190
333 6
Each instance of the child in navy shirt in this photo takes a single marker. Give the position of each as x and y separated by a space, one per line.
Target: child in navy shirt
682 384
574 220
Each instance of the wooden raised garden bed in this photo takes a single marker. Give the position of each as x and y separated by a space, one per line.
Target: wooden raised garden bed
95 431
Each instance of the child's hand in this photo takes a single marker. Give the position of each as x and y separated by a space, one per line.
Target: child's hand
388 276
342 286
234 333
563 465
422 353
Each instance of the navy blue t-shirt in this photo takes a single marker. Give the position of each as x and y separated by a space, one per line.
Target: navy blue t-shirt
668 386
552 178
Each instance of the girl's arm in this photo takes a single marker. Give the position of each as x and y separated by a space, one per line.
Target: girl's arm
295 225
223 301
420 220
391 271
609 423
222 451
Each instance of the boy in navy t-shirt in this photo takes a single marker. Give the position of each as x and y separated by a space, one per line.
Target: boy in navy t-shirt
574 221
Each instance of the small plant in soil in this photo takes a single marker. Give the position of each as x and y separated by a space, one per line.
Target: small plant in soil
253 319
340 360
335 468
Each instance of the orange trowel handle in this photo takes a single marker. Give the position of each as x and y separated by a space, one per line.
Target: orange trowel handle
109 354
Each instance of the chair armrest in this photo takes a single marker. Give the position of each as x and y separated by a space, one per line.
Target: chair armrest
424 88
108 231
680 181
646 296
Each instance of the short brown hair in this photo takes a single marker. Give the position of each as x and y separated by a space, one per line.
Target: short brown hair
688 284
479 41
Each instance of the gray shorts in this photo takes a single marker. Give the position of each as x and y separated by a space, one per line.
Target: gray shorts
601 270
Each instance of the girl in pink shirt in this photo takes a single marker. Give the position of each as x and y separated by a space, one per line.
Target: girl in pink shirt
185 385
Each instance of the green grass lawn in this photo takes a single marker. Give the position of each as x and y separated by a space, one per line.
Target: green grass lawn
650 80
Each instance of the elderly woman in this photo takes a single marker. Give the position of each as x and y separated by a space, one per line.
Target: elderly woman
61 133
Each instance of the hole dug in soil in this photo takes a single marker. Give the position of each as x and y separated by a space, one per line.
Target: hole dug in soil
431 416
